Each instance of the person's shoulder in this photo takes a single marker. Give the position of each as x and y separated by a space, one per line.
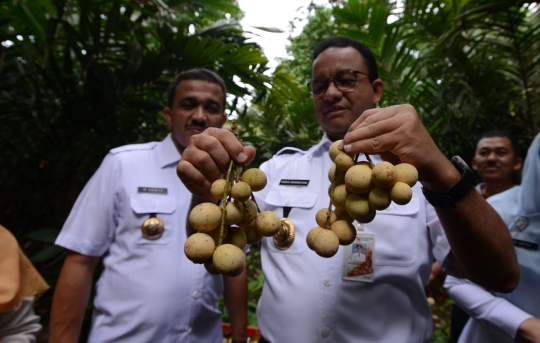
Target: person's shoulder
134 147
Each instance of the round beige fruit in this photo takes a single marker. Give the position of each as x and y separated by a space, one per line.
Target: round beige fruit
255 178
252 235
311 234
406 173
345 232
199 247
233 213
379 198
358 206
321 216
325 243
369 218
358 179
343 215
249 213
340 196
210 267
236 236
383 174
344 162
218 187
334 151
228 259
401 193
216 233
267 223
340 177
205 217
241 191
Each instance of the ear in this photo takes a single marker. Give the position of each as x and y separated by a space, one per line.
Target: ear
224 118
473 164
167 115
518 163
378 90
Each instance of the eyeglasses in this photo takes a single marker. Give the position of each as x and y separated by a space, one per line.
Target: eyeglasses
345 79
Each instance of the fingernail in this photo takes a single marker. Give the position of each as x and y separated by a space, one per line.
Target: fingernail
347 147
242 157
340 146
206 184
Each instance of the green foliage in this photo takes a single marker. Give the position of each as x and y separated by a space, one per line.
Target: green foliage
81 77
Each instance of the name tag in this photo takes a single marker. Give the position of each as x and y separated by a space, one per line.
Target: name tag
285 182
525 244
153 190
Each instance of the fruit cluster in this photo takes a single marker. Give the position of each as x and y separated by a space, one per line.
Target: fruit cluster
357 191
225 229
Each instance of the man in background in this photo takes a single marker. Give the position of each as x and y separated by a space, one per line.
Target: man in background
497 162
131 215
512 317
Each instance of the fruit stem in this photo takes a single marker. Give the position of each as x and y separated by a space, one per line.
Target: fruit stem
224 202
329 212
371 164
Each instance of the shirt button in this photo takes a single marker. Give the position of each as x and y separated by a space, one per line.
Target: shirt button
189 330
328 282
325 332
153 205
288 202
196 295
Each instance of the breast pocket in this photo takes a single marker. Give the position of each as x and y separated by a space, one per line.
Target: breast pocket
396 234
301 214
163 207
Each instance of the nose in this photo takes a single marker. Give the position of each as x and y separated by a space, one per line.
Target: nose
332 92
199 114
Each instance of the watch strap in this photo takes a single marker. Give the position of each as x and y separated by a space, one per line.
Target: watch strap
449 198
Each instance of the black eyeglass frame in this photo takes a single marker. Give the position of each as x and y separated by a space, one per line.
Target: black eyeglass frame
327 81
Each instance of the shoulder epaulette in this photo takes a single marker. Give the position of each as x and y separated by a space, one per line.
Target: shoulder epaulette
290 150
133 147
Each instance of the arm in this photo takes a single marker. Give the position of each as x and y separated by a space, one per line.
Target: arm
236 301
71 297
499 315
474 230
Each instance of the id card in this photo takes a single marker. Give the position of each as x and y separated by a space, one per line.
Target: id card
358 257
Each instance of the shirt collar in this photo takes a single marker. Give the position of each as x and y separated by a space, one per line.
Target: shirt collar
167 153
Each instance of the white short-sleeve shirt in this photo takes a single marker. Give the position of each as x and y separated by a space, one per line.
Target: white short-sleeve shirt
148 290
304 298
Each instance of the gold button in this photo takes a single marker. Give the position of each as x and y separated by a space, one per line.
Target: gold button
152 228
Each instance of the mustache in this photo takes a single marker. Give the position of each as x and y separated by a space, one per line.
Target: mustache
201 125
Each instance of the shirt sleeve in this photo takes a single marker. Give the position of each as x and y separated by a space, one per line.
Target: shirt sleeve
89 229
441 247
494 313
20 325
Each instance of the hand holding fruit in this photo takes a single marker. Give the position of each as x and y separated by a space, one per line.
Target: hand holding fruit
207 158
399 131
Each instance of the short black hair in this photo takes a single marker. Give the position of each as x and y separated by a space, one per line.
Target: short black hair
501 133
344 42
196 74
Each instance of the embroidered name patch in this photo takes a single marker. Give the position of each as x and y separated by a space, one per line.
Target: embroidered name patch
153 190
525 244
285 182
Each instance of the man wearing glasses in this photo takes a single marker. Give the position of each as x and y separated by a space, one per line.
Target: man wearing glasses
307 298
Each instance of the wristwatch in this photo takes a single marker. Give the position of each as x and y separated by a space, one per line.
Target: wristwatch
449 198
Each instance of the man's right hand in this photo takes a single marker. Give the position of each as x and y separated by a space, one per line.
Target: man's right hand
530 330
207 159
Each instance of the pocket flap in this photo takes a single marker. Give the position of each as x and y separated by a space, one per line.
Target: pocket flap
147 203
282 198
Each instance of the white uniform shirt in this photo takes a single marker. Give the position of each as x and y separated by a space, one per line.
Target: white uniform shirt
304 298
497 317
148 291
